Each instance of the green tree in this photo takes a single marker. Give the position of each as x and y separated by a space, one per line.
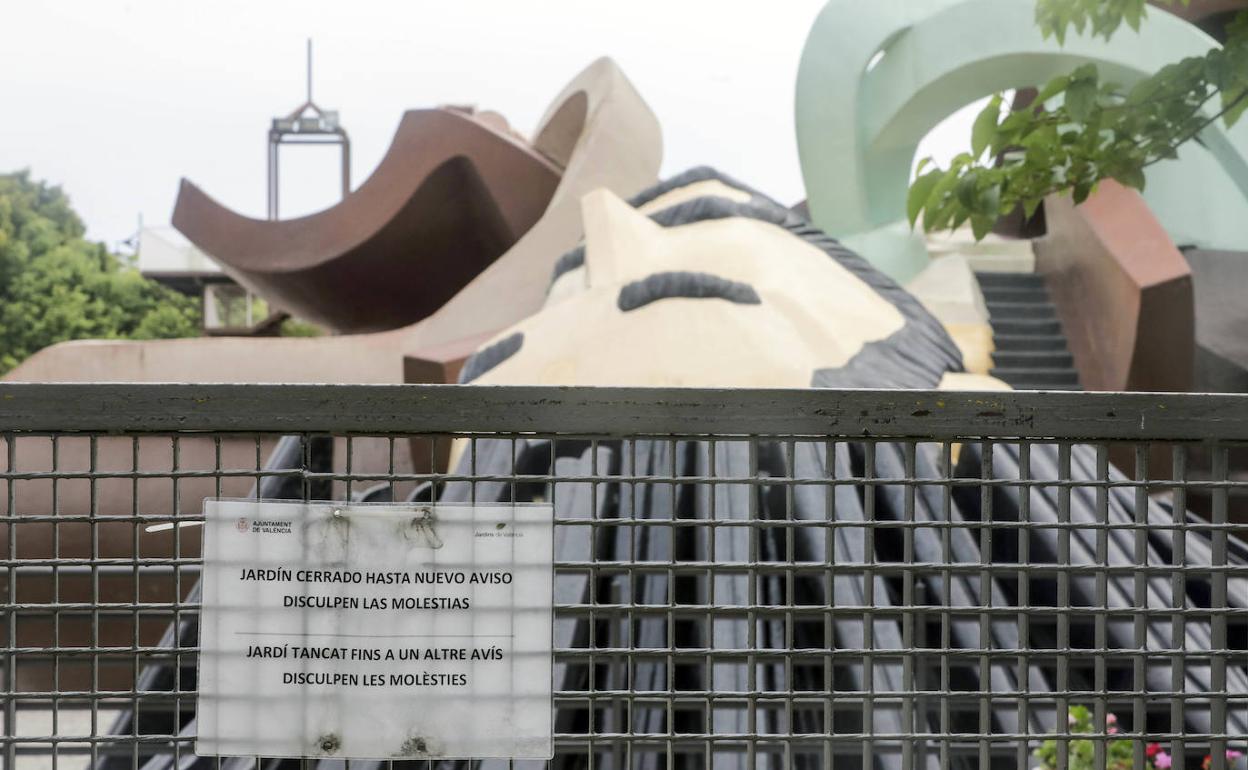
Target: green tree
1098 130
55 285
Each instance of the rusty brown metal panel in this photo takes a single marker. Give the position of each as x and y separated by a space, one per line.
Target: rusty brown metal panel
1122 291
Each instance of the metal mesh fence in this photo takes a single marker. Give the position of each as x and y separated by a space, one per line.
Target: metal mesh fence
744 579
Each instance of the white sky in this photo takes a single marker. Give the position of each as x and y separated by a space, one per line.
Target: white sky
117 99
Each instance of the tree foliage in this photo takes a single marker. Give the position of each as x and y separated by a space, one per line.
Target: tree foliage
55 285
1081 129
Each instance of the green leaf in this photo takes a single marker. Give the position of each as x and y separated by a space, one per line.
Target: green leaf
1133 13
939 208
919 193
1030 205
938 214
981 225
947 182
1081 191
1081 93
989 202
1132 177
984 131
1217 68
1053 88
1234 106
966 190
1142 91
1015 123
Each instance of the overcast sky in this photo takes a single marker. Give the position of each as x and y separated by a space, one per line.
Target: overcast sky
117 99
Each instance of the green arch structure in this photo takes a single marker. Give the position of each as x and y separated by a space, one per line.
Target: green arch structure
876 76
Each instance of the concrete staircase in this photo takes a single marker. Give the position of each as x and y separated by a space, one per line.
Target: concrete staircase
1031 352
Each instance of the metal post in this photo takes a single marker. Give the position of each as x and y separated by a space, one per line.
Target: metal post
346 163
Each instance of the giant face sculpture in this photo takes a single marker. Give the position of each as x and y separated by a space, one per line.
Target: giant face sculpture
725 289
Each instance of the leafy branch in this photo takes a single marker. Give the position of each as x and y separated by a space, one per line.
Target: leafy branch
1080 130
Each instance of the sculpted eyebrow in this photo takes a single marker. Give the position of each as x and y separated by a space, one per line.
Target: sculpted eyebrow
484 360
567 263
687 285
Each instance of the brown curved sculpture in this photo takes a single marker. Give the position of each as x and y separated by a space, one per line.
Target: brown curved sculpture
451 195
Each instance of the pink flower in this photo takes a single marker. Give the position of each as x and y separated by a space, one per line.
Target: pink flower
1152 750
1113 731
1233 754
1162 761
1111 719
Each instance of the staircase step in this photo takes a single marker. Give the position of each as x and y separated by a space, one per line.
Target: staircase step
1038 343
1033 359
1023 385
1039 377
1012 310
1009 280
999 295
1034 327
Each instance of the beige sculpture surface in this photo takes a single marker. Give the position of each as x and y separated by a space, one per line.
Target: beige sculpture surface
809 312
947 287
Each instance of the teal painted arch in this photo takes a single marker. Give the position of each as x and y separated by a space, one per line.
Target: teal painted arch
876 77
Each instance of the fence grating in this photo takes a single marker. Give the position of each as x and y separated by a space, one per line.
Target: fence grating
744 579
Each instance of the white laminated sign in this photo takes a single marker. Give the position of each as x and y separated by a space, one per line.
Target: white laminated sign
379 631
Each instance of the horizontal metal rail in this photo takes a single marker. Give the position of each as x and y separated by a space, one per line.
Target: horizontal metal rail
635 412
